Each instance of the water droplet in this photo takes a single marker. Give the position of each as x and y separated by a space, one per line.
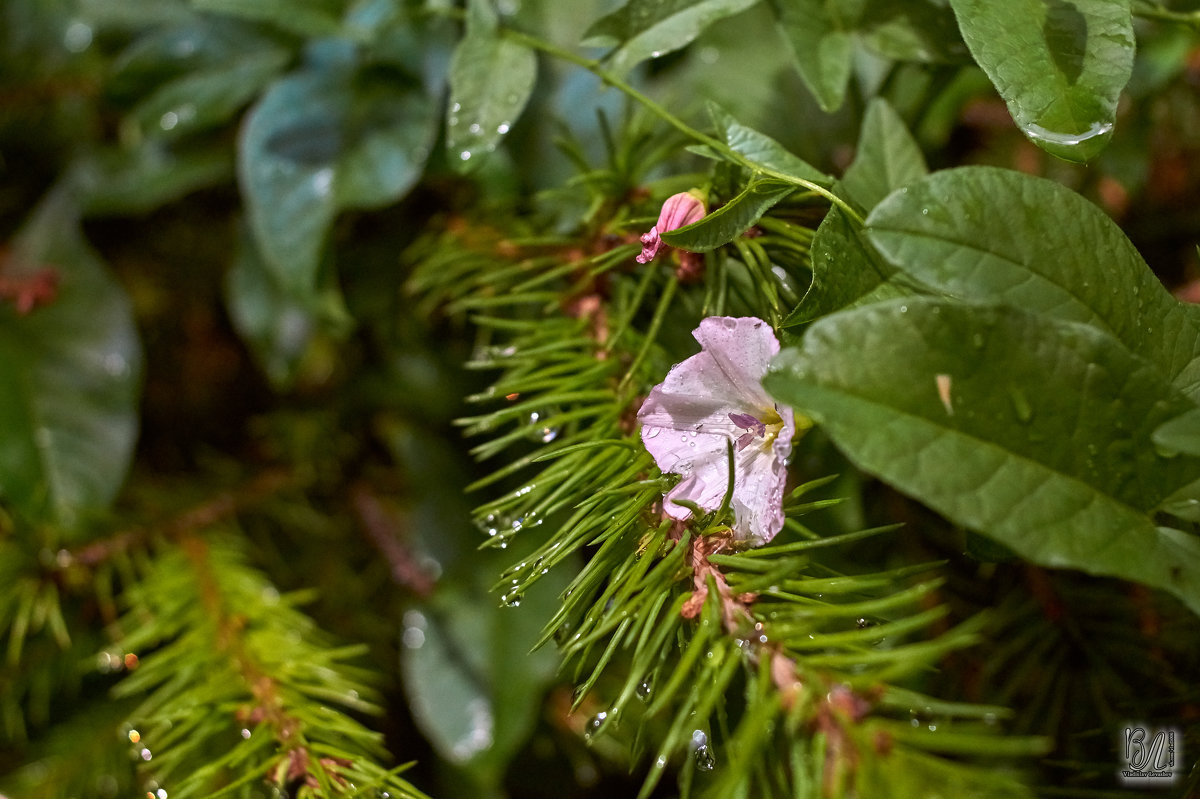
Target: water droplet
465 155
322 181
924 212
168 120
903 309
656 54
1068 140
704 759
1021 404
512 600
645 689
594 724
145 754
455 108
661 762
475 128
246 733
77 37
504 128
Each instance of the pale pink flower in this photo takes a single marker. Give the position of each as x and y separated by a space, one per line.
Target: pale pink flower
713 398
679 210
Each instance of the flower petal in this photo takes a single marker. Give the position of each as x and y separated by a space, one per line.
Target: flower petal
741 347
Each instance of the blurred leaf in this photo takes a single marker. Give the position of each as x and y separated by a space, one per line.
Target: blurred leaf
320 141
643 29
70 372
819 34
473 683
732 219
887 157
1031 430
303 17
762 149
924 31
491 79
278 327
990 235
1059 65
1181 434
134 180
204 99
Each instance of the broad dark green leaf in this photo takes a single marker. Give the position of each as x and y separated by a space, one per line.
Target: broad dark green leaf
1059 64
732 219
70 373
491 79
819 33
319 141
765 151
1034 431
887 157
913 30
643 29
991 235
304 17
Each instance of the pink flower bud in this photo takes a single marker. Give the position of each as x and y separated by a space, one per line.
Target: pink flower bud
679 210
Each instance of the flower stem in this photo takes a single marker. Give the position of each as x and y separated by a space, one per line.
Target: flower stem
593 65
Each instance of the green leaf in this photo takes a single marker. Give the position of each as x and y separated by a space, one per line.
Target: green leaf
278 327
763 150
991 235
643 29
320 141
70 372
472 681
134 180
303 17
819 34
1059 64
207 98
887 158
847 271
924 31
732 219
1181 434
1031 430
491 79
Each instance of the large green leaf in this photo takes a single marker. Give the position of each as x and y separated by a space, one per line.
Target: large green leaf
913 30
319 141
992 235
70 372
732 219
643 29
819 33
1059 64
491 79
1034 431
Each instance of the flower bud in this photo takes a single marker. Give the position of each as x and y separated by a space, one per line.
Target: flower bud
679 210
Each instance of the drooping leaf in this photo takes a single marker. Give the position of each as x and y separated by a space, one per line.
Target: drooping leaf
887 157
819 33
491 79
991 235
847 271
303 17
319 141
765 151
70 371
1034 431
643 29
1059 64
732 219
